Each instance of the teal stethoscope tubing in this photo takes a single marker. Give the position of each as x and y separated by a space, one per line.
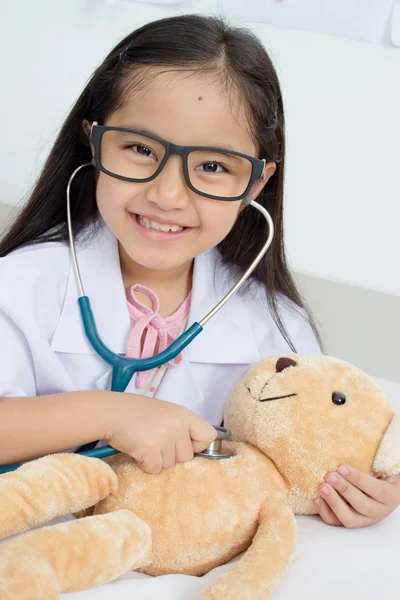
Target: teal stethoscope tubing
124 368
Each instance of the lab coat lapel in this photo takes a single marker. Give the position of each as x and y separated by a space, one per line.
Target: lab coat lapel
102 281
227 338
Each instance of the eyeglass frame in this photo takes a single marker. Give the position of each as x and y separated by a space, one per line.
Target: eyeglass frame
97 131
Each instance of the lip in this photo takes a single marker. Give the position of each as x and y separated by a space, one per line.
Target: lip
278 397
154 235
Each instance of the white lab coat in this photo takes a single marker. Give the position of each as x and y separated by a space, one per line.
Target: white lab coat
44 350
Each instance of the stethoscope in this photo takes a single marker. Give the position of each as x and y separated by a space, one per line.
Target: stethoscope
124 368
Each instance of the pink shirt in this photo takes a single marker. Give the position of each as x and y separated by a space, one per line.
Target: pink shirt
149 327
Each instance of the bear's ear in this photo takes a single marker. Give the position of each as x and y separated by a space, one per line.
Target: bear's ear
387 459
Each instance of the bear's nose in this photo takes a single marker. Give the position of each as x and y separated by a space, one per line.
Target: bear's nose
283 363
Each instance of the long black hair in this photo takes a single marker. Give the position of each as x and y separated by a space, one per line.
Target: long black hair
197 43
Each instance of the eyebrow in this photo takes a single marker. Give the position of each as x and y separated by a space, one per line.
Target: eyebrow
152 133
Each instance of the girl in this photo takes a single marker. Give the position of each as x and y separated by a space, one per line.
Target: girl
158 242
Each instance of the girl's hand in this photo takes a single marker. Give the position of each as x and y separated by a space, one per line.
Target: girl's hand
354 499
156 433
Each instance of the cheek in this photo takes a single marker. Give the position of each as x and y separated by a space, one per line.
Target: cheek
217 217
112 196
106 192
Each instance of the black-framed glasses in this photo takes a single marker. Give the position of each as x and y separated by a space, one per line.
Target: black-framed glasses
215 173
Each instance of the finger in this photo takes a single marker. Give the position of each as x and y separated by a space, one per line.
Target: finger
168 456
345 513
151 462
199 446
326 513
184 450
201 433
362 503
375 488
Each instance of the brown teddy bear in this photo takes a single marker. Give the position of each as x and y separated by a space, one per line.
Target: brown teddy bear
292 418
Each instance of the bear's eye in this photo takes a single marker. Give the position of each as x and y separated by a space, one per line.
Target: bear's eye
338 398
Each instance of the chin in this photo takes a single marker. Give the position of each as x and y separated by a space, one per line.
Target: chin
158 261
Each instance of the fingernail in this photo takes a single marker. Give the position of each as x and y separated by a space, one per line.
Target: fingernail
343 470
318 503
332 478
325 490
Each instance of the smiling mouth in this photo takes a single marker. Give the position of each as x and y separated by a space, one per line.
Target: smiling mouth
155 225
278 397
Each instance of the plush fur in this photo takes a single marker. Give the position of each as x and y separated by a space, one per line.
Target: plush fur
287 431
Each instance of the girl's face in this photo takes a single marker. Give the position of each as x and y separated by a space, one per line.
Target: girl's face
185 110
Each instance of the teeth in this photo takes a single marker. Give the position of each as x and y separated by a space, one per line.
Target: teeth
159 226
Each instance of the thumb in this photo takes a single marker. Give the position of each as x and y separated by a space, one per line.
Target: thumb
201 433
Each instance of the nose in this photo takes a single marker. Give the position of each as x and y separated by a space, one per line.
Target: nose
283 363
169 190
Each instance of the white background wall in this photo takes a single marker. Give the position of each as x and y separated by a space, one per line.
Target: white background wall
342 101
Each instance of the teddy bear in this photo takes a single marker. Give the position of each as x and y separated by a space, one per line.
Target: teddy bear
292 419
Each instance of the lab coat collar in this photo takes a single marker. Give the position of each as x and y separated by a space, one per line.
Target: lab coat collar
226 338
98 262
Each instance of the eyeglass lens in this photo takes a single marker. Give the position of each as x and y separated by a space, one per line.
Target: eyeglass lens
211 172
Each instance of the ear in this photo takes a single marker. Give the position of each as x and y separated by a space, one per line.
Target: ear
269 170
258 186
387 459
86 126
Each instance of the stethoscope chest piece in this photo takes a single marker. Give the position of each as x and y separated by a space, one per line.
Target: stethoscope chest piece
215 451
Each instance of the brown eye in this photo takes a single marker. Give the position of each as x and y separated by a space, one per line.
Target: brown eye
338 398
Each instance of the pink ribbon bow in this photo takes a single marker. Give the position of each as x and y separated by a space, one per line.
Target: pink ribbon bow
147 319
